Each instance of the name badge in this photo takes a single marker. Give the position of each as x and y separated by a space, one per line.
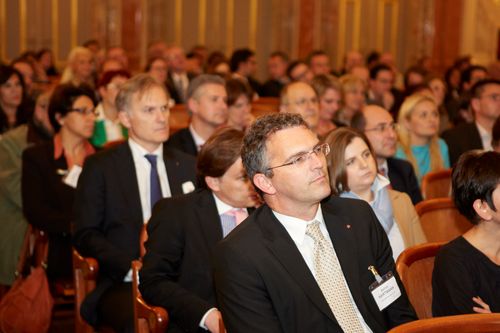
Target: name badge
385 289
71 178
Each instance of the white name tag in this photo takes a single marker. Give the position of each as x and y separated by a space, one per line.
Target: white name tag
71 178
386 291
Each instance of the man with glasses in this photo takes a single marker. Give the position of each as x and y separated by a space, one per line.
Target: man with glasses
299 97
380 129
300 262
485 105
116 192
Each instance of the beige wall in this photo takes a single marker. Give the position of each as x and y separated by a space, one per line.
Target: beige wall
405 28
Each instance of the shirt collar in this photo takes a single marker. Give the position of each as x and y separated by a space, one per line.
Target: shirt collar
296 227
485 137
198 140
59 149
222 207
138 151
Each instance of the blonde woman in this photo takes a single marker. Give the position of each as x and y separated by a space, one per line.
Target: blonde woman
353 96
329 94
419 142
80 67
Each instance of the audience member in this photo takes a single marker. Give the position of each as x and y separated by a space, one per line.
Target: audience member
470 76
276 66
13 226
353 174
319 62
45 58
300 98
218 64
28 72
116 192
380 85
438 89
50 173
79 68
352 59
177 271
239 99
353 98
14 107
295 264
107 125
299 71
158 69
414 76
328 90
119 54
379 127
178 78
361 72
485 105
207 104
243 65
156 49
466 275
418 135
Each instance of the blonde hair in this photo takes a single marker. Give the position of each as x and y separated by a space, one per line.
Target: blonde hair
68 76
404 134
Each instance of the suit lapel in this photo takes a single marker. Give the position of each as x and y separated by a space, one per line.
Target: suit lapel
282 246
125 168
475 136
208 219
173 172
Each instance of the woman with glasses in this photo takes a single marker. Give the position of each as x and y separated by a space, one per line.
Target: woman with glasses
50 173
418 135
353 174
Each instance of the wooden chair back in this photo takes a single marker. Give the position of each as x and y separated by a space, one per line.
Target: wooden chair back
415 266
477 323
179 118
440 220
437 184
147 319
85 272
265 105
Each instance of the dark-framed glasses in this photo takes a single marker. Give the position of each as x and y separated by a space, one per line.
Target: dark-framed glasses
298 160
85 111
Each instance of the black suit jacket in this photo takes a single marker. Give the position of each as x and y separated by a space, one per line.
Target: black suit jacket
109 214
48 203
264 285
403 179
172 90
183 140
178 265
271 88
460 139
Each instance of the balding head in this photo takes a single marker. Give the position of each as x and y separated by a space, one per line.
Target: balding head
300 98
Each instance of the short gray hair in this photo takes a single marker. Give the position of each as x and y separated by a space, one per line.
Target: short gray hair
140 84
200 81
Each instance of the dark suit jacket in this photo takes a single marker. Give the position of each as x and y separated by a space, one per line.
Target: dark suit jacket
48 203
403 179
462 138
109 214
271 88
177 268
183 140
264 285
172 90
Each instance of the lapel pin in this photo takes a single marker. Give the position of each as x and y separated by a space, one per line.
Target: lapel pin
348 226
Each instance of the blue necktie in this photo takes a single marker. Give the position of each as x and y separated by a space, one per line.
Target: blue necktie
154 181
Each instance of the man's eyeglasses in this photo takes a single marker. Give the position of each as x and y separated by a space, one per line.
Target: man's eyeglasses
85 111
323 149
382 128
493 97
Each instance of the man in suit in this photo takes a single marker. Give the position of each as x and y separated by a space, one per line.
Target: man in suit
207 104
299 97
276 66
115 195
286 268
243 65
178 77
485 105
379 127
177 268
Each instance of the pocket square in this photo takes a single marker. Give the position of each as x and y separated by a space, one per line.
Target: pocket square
187 187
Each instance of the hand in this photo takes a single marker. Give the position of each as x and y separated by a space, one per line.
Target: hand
483 308
212 322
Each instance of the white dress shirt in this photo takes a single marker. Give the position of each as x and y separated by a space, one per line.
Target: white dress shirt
198 140
485 137
296 228
113 128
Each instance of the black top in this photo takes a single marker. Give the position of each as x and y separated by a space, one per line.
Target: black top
461 272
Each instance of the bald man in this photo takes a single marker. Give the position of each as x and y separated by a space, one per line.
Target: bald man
380 129
299 97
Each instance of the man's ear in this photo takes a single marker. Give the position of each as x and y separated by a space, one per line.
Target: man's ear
124 118
482 209
475 104
192 105
212 183
59 119
264 183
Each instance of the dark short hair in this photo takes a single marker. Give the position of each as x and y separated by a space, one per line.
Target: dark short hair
281 55
235 88
218 153
475 176
378 68
254 152
358 121
413 69
338 140
466 75
239 56
315 53
62 100
291 67
478 87
108 76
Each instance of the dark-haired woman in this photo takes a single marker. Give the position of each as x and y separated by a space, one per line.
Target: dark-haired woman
466 277
50 172
14 110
